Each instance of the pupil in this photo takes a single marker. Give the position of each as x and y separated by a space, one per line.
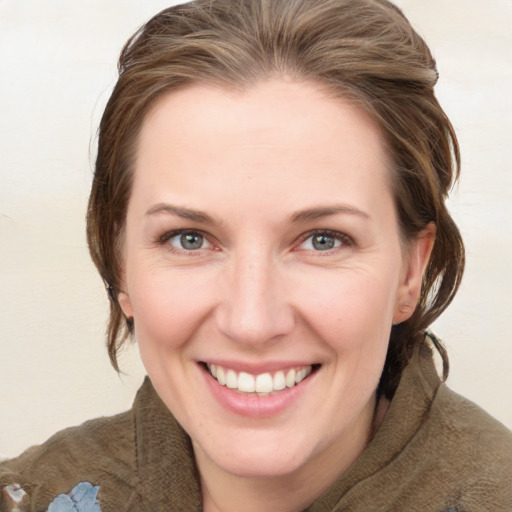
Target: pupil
323 242
191 241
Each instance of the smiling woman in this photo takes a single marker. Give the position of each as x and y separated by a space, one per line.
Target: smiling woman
268 216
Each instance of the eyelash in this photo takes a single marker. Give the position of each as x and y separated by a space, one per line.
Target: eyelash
164 239
344 239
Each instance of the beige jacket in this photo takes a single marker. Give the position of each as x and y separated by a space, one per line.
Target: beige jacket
434 452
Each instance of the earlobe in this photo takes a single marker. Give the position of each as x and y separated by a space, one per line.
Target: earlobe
417 260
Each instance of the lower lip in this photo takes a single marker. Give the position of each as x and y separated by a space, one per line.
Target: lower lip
253 406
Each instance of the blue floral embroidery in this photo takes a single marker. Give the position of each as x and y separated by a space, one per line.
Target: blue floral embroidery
82 498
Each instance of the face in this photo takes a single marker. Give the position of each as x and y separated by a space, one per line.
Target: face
264 269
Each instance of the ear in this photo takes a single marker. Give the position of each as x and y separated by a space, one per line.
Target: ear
126 305
415 264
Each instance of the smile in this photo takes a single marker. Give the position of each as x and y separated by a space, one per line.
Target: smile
263 384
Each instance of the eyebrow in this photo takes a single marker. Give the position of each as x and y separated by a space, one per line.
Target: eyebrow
184 213
312 214
301 216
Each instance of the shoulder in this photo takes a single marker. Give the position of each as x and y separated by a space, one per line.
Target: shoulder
474 450
460 419
95 443
441 451
98 452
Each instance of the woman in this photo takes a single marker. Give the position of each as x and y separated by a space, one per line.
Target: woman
268 214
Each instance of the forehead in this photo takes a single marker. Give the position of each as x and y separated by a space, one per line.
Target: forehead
279 106
278 135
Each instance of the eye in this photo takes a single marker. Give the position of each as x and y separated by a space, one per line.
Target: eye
188 240
325 241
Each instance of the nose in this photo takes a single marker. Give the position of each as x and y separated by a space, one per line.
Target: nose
254 310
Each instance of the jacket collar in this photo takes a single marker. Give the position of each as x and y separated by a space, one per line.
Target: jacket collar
165 460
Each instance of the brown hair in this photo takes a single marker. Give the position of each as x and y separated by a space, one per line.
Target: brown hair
364 50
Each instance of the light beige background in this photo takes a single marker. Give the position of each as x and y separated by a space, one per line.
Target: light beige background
57 64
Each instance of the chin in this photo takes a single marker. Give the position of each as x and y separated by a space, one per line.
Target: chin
259 457
261 467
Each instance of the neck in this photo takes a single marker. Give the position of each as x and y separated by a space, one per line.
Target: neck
223 491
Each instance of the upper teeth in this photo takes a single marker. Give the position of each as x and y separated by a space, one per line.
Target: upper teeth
262 383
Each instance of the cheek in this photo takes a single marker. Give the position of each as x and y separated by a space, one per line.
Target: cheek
354 308
167 307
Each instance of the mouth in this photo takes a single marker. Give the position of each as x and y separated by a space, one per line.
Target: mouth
263 384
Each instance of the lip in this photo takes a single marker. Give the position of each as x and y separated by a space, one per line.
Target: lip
253 406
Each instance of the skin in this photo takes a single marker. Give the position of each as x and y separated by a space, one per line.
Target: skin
266 168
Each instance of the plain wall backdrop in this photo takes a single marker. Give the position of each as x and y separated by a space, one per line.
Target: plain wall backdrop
57 66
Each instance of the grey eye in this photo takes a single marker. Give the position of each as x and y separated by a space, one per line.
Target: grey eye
323 242
189 241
